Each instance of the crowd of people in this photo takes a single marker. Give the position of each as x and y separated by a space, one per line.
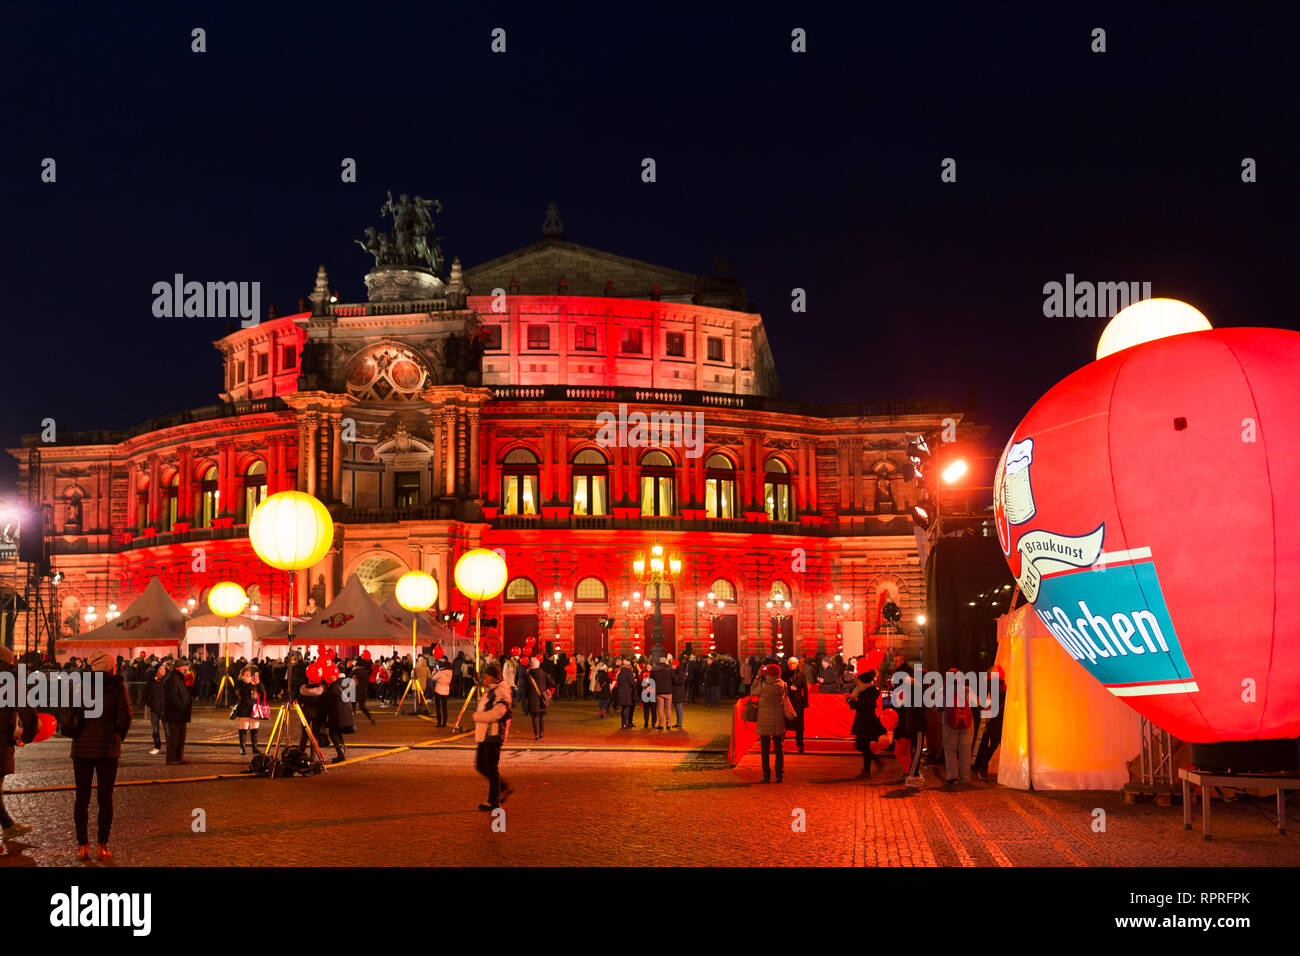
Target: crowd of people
330 693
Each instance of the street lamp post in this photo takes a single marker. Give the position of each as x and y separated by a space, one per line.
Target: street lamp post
659 570
558 609
839 609
713 606
778 609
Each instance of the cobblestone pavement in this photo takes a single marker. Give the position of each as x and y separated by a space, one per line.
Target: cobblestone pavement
586 797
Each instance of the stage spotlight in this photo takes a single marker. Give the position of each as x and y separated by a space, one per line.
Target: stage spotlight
57 577
921 517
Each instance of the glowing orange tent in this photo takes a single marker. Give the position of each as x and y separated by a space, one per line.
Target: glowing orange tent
1062 729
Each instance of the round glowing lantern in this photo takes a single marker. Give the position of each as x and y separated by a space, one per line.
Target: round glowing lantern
480 574
1146 506
417 591
1147 320
227 599
291 530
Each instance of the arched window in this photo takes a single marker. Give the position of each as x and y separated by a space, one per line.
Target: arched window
780 592
723 591
209 498
719 487
590 483
519 482
590 589
657 485
142 503
776 491
521 591
254 488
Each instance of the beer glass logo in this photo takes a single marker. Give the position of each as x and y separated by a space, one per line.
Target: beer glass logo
1013 496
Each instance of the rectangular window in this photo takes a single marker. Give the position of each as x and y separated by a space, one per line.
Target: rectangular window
676 344
715 349
406 489
632 341
262 360
492 338
239 372
520 495
539 337
584 338
656 496
776 500
289 357
720 498
589 495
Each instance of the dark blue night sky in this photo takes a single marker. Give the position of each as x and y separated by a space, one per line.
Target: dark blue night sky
818 171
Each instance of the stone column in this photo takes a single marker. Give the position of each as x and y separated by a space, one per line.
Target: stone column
312 456
746 479
812 475
155 473
800 488
474 462
548 464
564 491
449 443
336 459
104 487
303 442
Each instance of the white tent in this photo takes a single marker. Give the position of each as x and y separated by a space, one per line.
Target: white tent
152 624
352 620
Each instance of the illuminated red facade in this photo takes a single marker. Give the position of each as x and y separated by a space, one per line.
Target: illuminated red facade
480 416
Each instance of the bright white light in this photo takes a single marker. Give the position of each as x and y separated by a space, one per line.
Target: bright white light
920 619
954 471
1148 320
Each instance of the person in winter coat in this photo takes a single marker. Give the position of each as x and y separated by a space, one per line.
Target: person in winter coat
441 691
96 749
958 725
9 718
177 709
867 727
153 702
648 700
627 693
992 737
679 692
491 724
910 729
251 706
360 675
662 675
771 692
798 694
339 719
713 681
538 685
603 683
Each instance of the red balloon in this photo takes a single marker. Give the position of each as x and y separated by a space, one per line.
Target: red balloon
514 652
329 672
870 661
890 719
313 672
45 726
438 652
1146 506
366 655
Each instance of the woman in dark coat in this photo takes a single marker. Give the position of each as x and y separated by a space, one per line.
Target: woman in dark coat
339 719
602 690
771 692
9 716
96 749
537 686
249 707
798 694
867 727
627 694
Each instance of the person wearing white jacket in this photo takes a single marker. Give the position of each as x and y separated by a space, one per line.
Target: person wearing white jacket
491 724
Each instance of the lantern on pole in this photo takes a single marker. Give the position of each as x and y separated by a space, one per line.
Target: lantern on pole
416 592
480 575
226 600
290 531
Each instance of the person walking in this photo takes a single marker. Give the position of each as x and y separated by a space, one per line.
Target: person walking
679 691
571 678
713 681
538 687
958 728
867 727
773 709
177 711
360 675
907 702
491 725
798 694
153 703
339 719
662 676
251 708
10 715
96 750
